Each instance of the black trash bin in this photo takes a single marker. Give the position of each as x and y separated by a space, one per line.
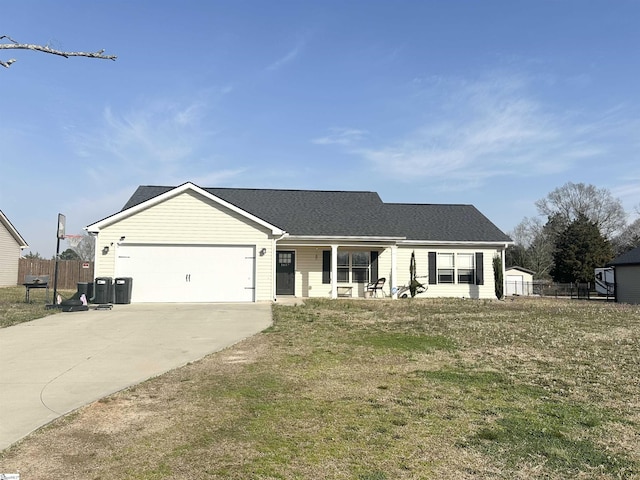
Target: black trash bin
123 287
103 290
87 289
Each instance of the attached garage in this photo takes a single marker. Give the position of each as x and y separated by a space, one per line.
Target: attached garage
188 273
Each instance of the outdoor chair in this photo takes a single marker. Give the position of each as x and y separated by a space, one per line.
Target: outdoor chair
375 287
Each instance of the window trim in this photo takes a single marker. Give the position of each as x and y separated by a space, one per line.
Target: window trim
474 274
370 269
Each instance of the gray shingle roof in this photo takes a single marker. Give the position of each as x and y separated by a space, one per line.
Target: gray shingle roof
350 213
632 257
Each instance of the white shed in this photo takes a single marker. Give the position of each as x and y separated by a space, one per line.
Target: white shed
519 281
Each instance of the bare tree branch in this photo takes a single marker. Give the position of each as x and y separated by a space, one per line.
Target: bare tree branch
11 44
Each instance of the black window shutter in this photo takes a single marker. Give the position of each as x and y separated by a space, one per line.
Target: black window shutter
479 269
374 266
326 266
433 268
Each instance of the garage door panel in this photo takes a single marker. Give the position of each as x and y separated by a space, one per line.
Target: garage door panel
180 273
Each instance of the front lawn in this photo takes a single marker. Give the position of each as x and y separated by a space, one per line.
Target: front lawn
375 390
14 309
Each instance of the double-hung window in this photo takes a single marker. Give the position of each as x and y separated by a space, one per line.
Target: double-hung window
446 268
353 267
461 268
466 272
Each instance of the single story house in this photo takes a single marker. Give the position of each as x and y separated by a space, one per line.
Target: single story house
519 281
11 245
192 244
627 276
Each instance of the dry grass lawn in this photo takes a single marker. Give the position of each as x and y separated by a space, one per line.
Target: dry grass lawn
376 390
14 309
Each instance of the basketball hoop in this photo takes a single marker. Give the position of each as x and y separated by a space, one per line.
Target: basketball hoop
73 240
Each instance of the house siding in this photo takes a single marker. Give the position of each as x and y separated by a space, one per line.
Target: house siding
403 260
9 256
188 219
309 271
628 284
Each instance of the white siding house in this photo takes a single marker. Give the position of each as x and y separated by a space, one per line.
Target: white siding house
11 245
192 244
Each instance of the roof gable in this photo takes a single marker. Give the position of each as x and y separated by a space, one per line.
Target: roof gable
155 195
12 231
520 269
321 213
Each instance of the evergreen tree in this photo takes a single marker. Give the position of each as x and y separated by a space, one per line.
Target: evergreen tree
580 248
498 277
415 286
69 254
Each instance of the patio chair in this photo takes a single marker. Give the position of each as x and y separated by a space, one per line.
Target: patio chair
375 287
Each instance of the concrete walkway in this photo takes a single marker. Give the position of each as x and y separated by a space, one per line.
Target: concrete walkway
54 365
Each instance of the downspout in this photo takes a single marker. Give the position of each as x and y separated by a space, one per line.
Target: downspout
334 271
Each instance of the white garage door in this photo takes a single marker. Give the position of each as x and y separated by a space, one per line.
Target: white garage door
194 273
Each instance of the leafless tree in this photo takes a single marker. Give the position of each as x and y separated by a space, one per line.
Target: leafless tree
86 248
537 242
597 204
628 239
10 44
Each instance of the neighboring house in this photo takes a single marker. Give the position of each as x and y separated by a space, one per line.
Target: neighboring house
192 244
11 244
627 276
519 281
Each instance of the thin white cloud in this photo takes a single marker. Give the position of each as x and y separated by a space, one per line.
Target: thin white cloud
341 136
287 58
162 142
476 131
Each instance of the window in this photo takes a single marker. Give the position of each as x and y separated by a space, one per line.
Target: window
360 267
445 268
353 267
465 268
343 267
285 258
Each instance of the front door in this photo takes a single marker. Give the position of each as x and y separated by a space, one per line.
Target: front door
285 272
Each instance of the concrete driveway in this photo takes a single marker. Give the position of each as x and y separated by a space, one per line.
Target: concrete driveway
54 365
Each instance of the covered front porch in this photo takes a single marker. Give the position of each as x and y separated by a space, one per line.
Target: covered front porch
334 268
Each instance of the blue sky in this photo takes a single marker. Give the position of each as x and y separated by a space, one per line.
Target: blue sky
491 103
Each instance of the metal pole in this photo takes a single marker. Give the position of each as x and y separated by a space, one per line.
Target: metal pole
55 275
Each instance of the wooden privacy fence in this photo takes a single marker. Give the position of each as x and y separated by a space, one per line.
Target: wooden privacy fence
70 272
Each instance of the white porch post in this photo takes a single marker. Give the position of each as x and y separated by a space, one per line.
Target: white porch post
274 256
334 271
394 276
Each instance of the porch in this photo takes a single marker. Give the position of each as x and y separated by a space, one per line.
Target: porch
336 270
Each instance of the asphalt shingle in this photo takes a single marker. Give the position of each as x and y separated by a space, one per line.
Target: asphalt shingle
632 257
350 213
